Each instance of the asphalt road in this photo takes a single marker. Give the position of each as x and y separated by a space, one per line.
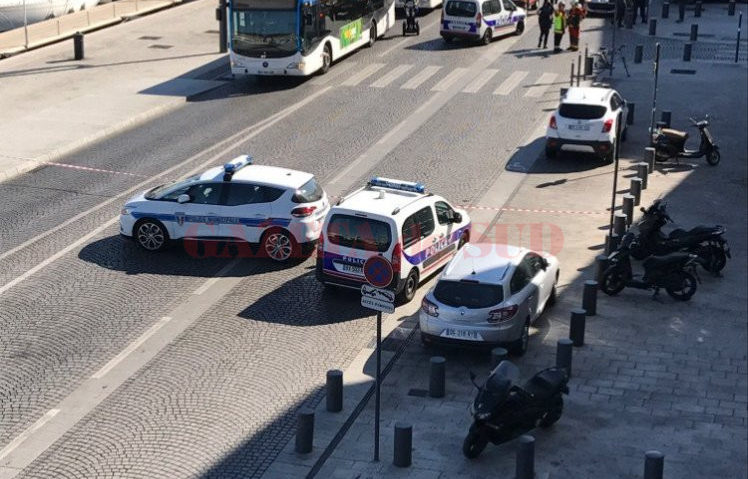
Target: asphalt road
219 399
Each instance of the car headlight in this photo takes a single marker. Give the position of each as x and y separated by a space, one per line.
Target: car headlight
125 211
292 66
483 416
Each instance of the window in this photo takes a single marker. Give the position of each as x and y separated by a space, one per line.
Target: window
489 8
443 213
418 225
171 191
359 233
615 102
468 294
205 194
581 112
459 8
520 279
308 193
509 6
246 193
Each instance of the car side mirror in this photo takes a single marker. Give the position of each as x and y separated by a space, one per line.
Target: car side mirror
456 217
184 198
544 263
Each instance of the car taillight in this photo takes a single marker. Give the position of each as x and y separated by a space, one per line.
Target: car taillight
320 246
478 19
303 211
429 308
607 125
503 314
552 123
397 252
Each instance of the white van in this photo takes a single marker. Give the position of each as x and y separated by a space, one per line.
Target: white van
417 232
481 20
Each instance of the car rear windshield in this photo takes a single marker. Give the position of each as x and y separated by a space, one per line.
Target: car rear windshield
359 233
581 112
460 9
308 193
468 294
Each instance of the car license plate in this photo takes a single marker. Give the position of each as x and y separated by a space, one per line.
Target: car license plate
580 127
458 26
349 268
461 334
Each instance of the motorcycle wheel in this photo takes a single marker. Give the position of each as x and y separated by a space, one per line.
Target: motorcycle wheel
474 444
638 252
686 286
713 157
613 281
553 413
715 259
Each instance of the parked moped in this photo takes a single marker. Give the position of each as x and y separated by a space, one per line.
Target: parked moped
671 144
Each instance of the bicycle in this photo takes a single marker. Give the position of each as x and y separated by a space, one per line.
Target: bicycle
603 59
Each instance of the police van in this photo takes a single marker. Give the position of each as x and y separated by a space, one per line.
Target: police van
417 232
481 20
280 209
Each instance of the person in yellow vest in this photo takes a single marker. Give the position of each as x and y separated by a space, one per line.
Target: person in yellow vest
559 26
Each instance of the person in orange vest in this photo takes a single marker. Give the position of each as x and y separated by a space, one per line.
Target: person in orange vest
559 26
576 14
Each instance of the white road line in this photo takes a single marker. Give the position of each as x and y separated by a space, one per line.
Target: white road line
230 143
28 432
510 83
391 76
132 347
362 75
540 86
396 45
335 71
480 80
204 287
450 79
421 77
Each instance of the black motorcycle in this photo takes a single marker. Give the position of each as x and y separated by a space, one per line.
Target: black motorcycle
671 144
503 410
707 242
676 272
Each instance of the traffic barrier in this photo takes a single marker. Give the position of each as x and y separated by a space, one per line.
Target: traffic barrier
563 354
630 113
619 224
649 158
687 49
654 462
77 45
652 27
636 190
576 326
665 9
642 171
498 355
601 264
638 53
694 32
526 458
628 208
403 454
436 376
304 431
589 298
697 10
334 390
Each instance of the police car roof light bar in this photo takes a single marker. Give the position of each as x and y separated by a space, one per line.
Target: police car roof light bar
235 165
411 186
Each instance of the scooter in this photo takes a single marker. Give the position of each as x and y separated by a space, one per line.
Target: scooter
670 144
503 410
676 272
707 242
410 25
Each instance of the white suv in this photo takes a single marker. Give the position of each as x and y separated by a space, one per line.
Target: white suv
588 119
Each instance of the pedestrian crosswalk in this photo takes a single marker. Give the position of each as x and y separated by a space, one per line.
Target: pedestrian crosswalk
437 78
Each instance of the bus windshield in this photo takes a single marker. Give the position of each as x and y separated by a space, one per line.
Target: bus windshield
268 32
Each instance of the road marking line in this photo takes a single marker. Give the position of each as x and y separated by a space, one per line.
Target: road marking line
421 77
363 74
204 287
480 80
241 137
450 79
97 170
18 440
132 347
540 86
510 83
391 76
333 73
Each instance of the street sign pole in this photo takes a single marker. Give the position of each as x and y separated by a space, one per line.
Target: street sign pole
378 383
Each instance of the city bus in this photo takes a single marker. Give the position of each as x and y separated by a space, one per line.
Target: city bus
301 37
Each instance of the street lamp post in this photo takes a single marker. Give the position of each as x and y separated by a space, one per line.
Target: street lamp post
25 26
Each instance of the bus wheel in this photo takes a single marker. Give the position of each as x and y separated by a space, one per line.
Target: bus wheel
372 34
326 58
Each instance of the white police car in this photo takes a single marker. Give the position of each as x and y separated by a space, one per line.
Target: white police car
278 208
417 231
481 20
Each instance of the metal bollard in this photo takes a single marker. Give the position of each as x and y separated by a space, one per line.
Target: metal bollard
436 377
498 355
629 18
652 27
588 62
649 158
525 458
571 77
665 9
642 172
694 32
563 354
628 208
731 8
631 109
612 242
601 264
665 118
334 390
78 46
697 10
654 462
589 297
638 53
687 49
576 327
636 190
403 445
304 431
619 224
681 11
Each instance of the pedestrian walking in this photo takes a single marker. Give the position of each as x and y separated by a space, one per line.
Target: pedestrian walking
641 5
620 12
545 21
576 14
559 26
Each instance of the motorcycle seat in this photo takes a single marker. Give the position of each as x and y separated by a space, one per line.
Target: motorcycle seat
697 231
675 134
545 383
654 262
